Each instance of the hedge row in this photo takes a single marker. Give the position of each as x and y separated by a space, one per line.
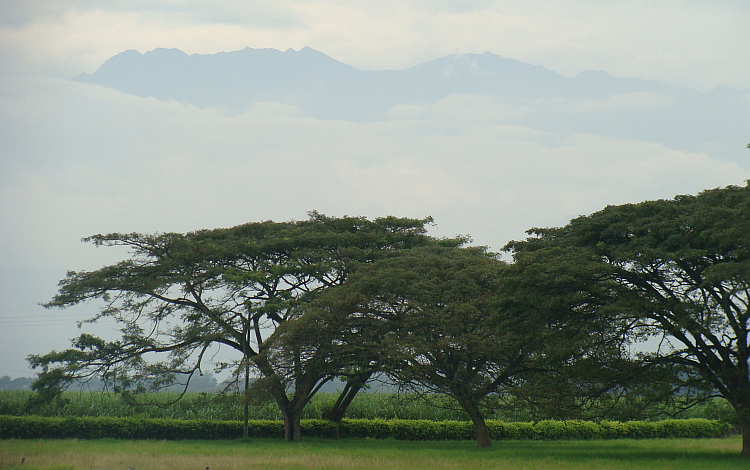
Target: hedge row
37 427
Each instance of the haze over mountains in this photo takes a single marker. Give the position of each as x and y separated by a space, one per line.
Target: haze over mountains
489 147
486 86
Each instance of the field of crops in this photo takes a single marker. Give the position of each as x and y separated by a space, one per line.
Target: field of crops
229 407
221 407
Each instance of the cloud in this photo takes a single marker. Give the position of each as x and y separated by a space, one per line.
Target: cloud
401 183
637 101
682 43
462 108
17 13
79 159
109 161
63 39
254 13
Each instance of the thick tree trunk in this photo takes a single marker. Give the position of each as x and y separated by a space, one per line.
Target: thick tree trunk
305 383
292 423
291 413
297 426
741 405
290 410
480 426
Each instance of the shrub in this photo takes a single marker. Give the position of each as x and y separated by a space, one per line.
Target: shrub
36 427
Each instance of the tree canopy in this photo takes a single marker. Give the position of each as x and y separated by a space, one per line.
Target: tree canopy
181 294
679 272
447 322
649 299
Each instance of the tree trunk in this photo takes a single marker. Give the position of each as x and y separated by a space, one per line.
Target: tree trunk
480 426
336 412
297 426
290 412
292 422
742 407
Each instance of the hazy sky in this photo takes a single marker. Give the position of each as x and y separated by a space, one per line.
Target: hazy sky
77 159
685 43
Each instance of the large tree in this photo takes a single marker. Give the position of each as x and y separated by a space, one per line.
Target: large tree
180 295
596 374
333 333
443 323
680 270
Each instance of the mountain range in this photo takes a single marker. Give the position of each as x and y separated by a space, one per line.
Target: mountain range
531 95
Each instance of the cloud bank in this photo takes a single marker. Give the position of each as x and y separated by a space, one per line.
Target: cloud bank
78 159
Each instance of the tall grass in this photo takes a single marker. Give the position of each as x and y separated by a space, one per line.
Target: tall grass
219 407
229 407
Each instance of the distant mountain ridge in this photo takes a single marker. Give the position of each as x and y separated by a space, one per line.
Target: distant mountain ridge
324 88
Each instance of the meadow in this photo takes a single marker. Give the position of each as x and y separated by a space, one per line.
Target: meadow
677 454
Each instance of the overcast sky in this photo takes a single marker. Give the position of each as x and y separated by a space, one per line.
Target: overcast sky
684 43
78 159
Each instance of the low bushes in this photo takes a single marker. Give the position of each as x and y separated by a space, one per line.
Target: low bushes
36 427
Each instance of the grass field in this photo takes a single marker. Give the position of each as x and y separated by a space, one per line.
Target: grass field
678 454
229 407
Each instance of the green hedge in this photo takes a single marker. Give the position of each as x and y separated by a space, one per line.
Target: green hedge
36 427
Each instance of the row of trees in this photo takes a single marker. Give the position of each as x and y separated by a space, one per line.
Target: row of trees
304 302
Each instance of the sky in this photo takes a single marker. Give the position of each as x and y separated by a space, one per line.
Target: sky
77 159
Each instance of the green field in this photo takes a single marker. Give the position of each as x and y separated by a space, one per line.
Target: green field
682 454
229 408
678 454
223 407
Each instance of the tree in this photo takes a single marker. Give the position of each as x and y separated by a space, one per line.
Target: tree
597 374
448 328
680 270
331 334
181 294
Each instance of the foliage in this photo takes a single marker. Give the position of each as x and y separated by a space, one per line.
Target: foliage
453 323
366 406
20 383
631 307
224 407
35 427
181 294
679 276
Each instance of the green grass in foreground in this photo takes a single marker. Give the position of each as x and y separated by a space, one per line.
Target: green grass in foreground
678 454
